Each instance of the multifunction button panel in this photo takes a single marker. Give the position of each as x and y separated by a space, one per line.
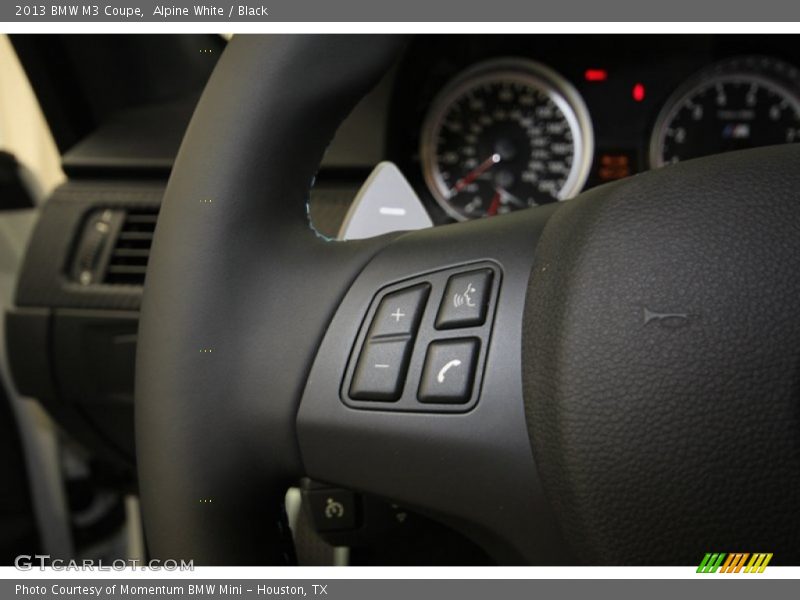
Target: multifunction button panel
423 344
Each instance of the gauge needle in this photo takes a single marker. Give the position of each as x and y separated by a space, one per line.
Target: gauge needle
506 197
494 205
474 174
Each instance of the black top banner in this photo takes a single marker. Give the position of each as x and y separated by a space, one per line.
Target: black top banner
238 11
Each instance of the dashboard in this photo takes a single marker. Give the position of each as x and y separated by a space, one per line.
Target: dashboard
479 125
483 125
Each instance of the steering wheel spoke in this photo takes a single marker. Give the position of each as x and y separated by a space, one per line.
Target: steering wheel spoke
440 424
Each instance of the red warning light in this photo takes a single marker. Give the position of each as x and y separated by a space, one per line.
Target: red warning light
638 92
596 75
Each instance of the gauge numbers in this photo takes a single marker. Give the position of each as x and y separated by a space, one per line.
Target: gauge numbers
745 105
505 135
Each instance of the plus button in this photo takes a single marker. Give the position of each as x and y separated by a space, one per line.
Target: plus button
398 315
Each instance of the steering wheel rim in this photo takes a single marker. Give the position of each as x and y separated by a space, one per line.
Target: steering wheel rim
237 196
251 325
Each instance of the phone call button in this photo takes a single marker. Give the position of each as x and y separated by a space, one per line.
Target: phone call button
449 371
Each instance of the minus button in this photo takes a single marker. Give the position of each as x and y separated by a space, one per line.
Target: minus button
381 369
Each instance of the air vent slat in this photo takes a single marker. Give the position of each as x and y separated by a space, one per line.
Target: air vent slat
135 235
126 270
127 262
132 252
133 219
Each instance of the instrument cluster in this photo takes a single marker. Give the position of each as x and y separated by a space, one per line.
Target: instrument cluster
514 128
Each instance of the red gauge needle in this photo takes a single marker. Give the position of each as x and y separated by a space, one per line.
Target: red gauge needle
474 174
494 205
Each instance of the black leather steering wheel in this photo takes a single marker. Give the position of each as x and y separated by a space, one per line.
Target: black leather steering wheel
635 371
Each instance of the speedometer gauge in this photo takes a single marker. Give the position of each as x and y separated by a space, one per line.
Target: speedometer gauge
506 134
744 103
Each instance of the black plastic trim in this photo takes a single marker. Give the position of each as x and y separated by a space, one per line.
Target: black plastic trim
45 281
427 333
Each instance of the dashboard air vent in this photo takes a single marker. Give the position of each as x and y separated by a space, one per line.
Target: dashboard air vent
128 259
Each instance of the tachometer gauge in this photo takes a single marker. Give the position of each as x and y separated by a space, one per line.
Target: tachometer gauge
738 104
504 135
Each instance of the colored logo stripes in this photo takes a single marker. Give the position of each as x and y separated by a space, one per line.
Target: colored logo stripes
734 562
